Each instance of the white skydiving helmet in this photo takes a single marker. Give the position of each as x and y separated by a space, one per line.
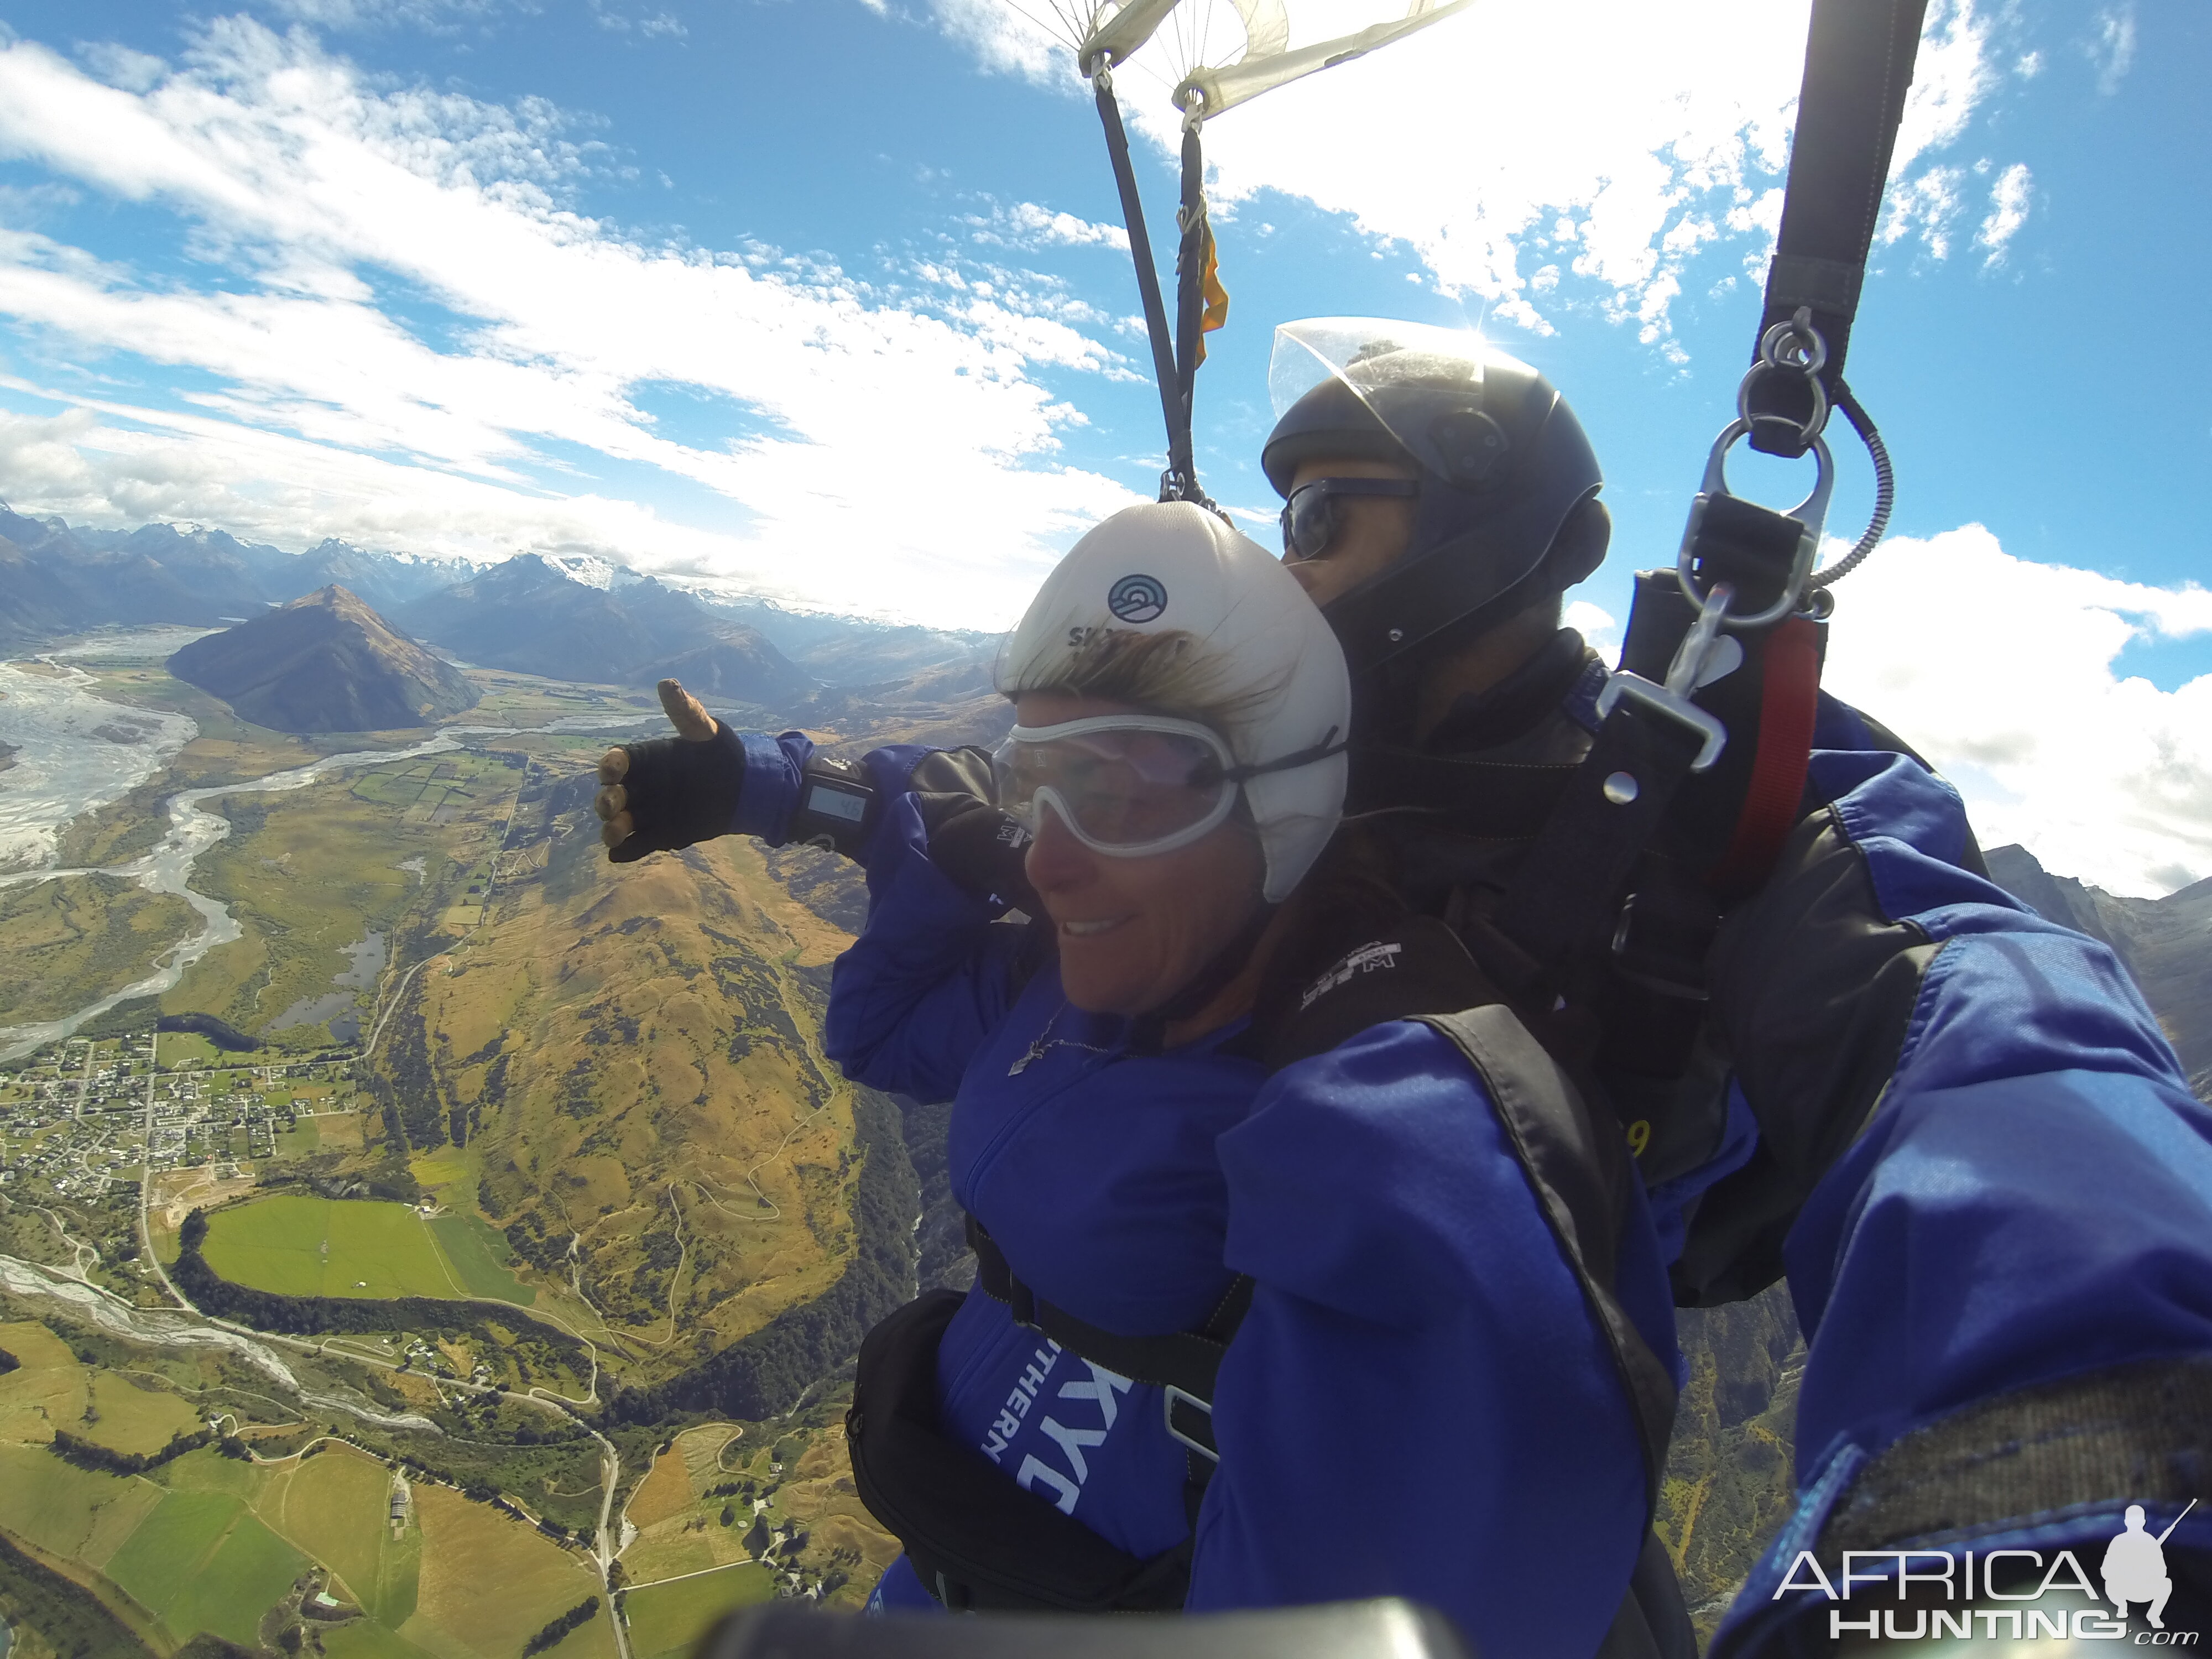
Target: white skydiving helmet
1131 784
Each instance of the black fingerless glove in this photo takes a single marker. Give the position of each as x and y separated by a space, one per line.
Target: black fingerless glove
980 847
678 791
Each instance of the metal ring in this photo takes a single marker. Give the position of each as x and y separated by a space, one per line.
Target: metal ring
1808 429
1798 328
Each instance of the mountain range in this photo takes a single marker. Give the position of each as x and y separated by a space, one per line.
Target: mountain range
56 579
325 663
569 616
2165 943
532 616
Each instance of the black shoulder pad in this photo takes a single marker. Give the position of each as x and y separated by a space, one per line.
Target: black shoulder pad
1417 967
953 772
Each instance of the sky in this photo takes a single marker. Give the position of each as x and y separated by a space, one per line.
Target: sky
828 300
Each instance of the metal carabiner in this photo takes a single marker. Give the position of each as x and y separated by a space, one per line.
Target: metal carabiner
1811 514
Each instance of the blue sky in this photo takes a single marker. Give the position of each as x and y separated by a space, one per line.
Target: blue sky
823 298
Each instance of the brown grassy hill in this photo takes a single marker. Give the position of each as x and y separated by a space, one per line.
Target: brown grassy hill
323 662
631 1052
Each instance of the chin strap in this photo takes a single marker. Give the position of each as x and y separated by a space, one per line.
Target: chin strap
1149 1030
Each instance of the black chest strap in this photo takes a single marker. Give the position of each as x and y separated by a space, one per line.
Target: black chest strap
1182 1365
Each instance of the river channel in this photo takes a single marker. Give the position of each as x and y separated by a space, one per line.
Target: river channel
63 769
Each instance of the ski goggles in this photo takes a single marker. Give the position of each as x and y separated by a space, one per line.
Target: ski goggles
1311 516
1129 785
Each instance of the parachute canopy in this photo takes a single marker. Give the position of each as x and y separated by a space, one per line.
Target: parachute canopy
1217 54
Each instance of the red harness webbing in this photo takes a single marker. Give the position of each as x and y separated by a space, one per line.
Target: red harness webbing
1788 703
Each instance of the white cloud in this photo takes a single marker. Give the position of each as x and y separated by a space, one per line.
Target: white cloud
1026 225
2102 777
1653 132
381 14
2008 202
1926 205
1597 626
2112 48
1952 73
331 199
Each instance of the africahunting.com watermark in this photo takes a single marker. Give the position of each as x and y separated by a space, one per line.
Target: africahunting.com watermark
2131 1572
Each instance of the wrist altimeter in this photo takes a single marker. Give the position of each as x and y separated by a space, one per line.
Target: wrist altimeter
836 806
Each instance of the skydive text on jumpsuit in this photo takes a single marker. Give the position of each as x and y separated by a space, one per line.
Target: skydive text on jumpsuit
1101 1389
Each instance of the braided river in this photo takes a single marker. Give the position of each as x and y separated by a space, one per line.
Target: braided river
75 753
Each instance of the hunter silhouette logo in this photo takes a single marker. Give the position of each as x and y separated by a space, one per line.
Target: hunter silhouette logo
1976 1586
2135 1566
1138 599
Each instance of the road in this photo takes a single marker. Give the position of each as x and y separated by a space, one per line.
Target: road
84 1084
146 1180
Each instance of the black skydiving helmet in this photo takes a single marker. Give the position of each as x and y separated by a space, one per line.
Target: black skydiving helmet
1500 462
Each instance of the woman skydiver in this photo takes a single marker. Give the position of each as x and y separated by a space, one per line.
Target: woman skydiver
1430 1393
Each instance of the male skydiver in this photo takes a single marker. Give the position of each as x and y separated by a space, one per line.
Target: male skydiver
1955 1127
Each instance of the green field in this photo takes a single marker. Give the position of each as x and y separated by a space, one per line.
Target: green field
181 1049
301 1246
250 1572
362 1638
334 1506
668 1618
59 1506
202 1562
479 1256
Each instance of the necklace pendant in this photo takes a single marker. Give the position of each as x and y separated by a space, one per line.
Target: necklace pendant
1022 1061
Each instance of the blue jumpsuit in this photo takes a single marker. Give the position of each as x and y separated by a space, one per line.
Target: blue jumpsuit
1420 1401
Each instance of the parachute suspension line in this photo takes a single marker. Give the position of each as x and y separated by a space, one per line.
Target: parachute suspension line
1180 481
1191 263
1885 490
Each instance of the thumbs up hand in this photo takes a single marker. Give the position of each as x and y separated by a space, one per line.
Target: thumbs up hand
669 792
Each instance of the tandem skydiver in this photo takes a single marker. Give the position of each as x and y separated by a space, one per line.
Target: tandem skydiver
1954 1125
1457 1278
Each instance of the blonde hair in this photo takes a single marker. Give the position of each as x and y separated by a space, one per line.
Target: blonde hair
1169 673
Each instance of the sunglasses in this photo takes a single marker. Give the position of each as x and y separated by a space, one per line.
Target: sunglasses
1309 516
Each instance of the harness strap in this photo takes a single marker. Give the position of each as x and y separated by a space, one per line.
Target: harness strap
1183 1364
1789 702
1563 900
1575 1163
1502 800
1858 64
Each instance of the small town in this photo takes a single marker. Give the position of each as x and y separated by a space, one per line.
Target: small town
85 1115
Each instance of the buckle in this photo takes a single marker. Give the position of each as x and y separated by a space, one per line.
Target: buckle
1169 1394
1711 734
1647 961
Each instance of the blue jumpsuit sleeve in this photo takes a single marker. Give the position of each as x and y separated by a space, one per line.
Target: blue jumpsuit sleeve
931 973
769 793
2030 1200
1419 1402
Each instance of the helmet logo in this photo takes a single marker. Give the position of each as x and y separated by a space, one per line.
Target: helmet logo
1137 599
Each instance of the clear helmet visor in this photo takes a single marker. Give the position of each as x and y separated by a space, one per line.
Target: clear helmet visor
1424 386
1127 786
